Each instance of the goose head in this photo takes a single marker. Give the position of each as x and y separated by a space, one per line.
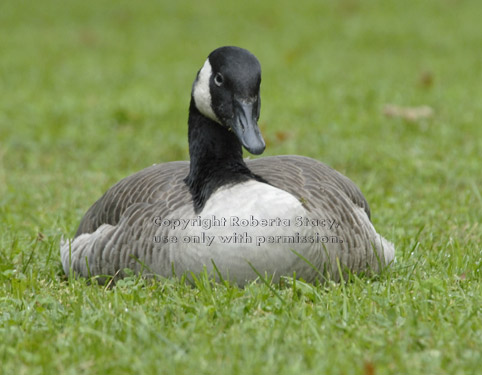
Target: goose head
226 91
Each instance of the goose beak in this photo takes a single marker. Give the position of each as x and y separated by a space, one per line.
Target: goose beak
245 126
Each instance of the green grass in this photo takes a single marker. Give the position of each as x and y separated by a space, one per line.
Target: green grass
93 91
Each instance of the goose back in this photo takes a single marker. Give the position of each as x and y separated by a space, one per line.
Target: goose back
303 177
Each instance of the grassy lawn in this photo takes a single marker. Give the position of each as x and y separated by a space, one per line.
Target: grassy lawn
92 91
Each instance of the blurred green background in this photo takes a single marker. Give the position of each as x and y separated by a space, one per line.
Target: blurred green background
92 91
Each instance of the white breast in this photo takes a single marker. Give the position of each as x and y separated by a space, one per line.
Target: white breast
247 225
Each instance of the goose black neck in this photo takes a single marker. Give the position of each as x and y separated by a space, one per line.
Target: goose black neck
216 158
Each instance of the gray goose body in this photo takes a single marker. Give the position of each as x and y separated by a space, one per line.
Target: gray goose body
315 218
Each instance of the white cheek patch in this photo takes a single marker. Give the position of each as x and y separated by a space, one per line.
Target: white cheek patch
202 92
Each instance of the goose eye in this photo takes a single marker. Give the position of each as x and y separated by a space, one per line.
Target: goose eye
218 79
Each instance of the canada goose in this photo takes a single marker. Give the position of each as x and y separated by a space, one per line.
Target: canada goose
280 215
